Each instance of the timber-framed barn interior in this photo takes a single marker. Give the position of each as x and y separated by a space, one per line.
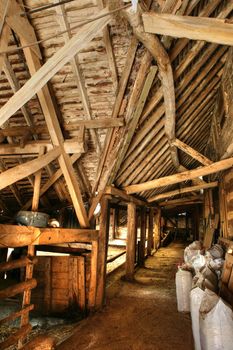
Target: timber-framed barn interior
116 183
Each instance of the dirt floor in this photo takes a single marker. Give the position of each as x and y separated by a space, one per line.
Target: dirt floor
141 315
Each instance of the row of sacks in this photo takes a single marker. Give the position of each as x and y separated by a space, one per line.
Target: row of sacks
197 285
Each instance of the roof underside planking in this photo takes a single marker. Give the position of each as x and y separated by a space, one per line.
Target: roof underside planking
113 77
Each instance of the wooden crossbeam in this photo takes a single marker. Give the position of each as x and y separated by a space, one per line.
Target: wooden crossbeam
116 192
184 176
182 190
196 28
103 123
19 236
21 171
182 201
192 152
33 148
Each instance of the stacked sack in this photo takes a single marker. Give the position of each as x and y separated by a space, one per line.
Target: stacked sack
212 318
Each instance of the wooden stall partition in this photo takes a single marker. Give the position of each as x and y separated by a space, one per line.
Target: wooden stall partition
226 205
61 283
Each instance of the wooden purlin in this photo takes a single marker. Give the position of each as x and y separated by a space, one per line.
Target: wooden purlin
182 190
176 178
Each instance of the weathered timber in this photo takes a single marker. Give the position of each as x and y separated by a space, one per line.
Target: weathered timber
186 175
102 253
150 232
131 242
195 28
21 171
16 314
116 192
15 264
51 181
19 236
191 152
17 288
182 190
33 147
142 237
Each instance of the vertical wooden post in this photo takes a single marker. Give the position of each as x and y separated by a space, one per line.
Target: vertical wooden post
157 228
150 232
142 237
131 241
3 258
93 277
112 223
102 252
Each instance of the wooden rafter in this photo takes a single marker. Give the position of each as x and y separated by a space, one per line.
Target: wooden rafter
185 176
21 171
109 50
64 25
195 28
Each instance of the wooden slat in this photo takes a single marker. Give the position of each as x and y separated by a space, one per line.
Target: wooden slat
37 183
16 314
21 171
186 175
195 28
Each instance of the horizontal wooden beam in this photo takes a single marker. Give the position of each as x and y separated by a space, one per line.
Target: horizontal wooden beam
78 42
191 152
182 201
184 176
182 190
115 192
31 148
102 123
213 30
23 170
19 236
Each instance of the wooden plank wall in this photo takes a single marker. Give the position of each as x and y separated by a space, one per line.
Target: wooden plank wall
226 205
63 282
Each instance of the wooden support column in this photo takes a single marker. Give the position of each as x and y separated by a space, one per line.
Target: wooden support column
150 232
102 252
142 237
131 242
157 228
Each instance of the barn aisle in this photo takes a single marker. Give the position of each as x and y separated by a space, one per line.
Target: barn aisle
140 315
